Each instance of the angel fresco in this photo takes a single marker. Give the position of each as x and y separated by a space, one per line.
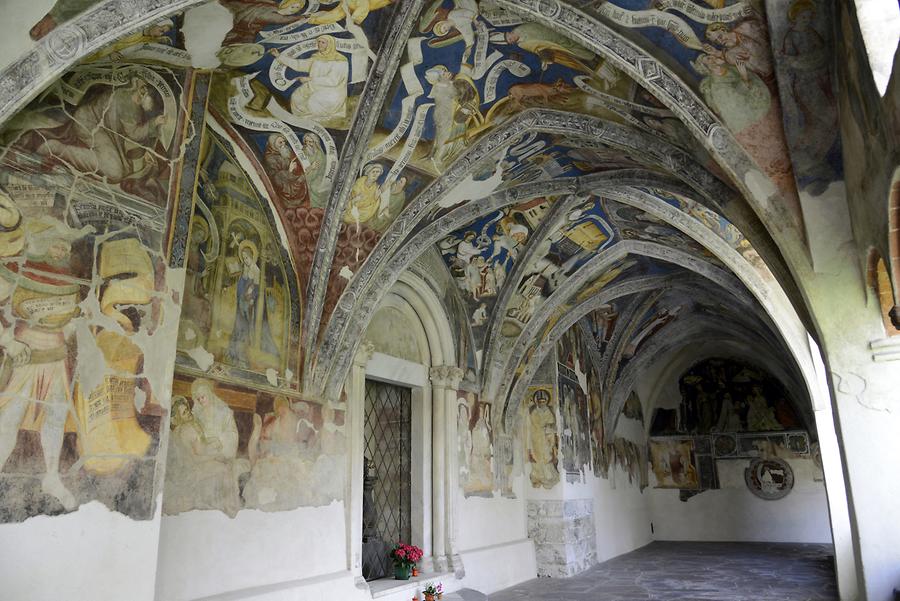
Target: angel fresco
744 45
157 33
549 46
738 73
449 25
456 102
739 101
358 11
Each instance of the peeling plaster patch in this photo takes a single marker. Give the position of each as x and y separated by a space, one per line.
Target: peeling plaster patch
828 228
760 186
203 358
346 273
204 30
272 377
473 189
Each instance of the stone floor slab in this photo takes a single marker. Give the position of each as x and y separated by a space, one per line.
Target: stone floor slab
689 571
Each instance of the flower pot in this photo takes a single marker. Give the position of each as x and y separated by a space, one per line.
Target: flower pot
429 597
401 572
415 571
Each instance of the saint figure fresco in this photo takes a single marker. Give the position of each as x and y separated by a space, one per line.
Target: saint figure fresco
543 440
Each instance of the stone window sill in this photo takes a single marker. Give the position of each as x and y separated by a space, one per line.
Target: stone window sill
388 586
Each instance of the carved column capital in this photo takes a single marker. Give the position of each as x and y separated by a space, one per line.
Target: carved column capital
364 352
446 376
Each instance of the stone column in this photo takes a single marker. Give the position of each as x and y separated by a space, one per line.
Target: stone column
444 381
356 415
864 379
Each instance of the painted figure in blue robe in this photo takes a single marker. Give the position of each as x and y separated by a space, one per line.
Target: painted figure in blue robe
245 306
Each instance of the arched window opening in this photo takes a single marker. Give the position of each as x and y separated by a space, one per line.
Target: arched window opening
879 25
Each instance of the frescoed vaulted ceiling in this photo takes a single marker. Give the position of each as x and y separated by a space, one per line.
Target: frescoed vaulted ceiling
627 165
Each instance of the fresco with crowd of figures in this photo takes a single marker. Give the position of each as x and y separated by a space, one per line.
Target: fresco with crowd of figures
150 211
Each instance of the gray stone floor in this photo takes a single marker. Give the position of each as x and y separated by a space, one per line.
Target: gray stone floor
683 571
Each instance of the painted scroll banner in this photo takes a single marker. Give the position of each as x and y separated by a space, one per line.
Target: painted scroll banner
408 149
413 91
499 17
483 61
636 19
281 36
706 16
582 81
238 114
490 84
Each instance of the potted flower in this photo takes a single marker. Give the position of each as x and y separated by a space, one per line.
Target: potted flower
431 591
405 557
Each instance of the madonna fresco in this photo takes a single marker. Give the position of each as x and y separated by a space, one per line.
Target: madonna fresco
242 312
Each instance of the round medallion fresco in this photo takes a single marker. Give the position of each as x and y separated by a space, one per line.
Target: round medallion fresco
770 478
725 445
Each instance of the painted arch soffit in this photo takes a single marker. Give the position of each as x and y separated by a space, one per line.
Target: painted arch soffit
451 190
508 348
60 45
604 126
774 200
517 198
700 217
425 238
659 302
682 334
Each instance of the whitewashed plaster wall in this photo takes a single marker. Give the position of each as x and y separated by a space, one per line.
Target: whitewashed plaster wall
493 521
493 541
205 553
95 554
621 515
733 513
621 510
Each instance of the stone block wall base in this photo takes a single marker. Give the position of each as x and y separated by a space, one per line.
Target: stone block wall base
564 536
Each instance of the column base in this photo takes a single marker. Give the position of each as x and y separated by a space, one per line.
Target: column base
456 564
428 564
440 563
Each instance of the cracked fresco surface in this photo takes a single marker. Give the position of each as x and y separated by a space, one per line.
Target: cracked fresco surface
89 306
